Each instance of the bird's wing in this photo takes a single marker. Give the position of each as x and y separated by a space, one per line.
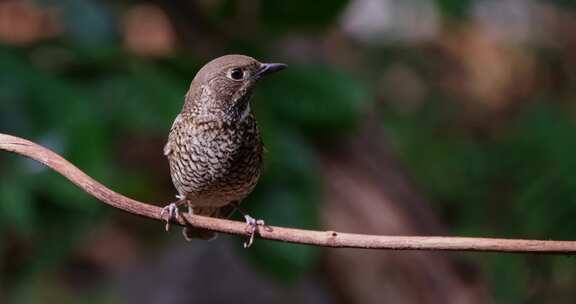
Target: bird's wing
168 147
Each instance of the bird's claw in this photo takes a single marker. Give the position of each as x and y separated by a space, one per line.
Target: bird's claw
252 228
172 211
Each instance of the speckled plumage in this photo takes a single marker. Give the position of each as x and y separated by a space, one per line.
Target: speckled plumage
214 146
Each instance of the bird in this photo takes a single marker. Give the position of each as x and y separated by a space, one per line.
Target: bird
214 147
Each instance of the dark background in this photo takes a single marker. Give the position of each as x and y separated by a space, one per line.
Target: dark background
442 117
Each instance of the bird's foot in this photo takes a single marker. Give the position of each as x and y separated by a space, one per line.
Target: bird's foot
251 228
172 210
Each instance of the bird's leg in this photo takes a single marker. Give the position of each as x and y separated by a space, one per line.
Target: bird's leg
190 208
172 209
252 225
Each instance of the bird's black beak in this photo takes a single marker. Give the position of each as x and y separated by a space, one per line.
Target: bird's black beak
268 68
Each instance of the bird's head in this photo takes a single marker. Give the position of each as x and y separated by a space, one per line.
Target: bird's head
223 87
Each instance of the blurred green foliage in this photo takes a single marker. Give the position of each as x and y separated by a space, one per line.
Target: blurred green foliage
455 9
526 171
85 100
85 118
85 97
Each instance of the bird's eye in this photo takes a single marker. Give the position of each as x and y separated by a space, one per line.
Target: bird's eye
236 74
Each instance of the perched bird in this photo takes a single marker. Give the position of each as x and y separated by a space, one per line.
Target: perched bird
214 147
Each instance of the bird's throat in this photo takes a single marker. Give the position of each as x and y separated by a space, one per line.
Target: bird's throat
245 113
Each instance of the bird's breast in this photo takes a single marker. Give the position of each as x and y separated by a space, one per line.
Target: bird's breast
214 164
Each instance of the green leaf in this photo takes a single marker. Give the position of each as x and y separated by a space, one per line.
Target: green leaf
289 208
455 9
282 16
315 99
287 195
509 277
17 206
300 14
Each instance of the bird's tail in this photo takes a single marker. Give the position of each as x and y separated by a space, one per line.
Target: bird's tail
191 233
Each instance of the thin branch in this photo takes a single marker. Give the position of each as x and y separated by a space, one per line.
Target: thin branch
319 238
